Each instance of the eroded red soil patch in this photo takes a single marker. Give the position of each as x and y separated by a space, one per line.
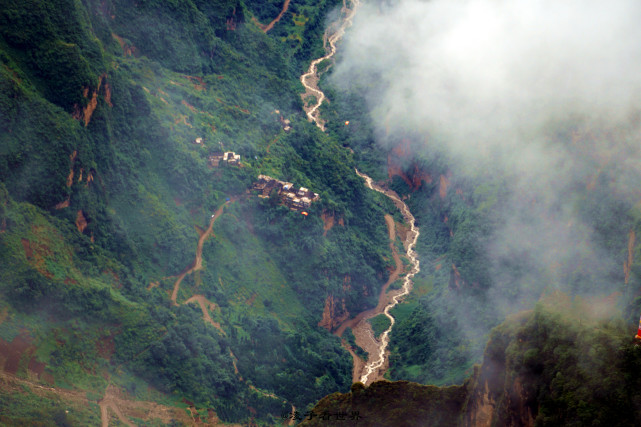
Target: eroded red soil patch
89 178
84 114
72 160
456 278
28 252
125 407
188 105
334 313
12 352
36 367
329 220
36 254
198 82
63 204
399 160
442 186
128 49
81 221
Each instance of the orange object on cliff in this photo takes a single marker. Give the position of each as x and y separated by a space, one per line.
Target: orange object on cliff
638 335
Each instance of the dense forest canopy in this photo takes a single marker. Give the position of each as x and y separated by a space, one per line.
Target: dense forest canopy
105 195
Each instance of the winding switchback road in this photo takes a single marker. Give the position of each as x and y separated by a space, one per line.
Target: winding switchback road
198 261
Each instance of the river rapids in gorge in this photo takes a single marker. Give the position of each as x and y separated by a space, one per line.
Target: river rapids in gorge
310 82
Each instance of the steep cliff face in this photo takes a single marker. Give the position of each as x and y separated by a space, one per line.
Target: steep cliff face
385 403
401 163
550 366
495 396
491 396
334 313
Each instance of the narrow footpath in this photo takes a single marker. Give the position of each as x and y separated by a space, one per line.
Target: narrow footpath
269 26
198 261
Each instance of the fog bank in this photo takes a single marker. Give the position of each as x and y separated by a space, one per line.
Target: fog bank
543 93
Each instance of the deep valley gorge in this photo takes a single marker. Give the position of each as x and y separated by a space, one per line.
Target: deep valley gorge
319 212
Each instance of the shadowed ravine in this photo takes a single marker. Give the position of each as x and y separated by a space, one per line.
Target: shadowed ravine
376 367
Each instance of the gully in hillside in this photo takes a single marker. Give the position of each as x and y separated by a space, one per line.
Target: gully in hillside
375 368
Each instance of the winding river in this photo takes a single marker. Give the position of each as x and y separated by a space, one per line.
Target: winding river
410 245
310 78
374 365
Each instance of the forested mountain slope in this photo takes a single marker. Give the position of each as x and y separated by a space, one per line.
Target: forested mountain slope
542 367
109 113
144 281
518 188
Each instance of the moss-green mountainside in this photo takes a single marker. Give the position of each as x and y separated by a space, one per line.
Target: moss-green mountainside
105 195
542 367
143 281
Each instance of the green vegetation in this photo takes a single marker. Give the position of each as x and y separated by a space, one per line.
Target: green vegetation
391 403
549 366
444 328
348 335
379 324
573 370
103 194
21 406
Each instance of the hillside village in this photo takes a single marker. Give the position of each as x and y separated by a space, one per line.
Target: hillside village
228 157
294 199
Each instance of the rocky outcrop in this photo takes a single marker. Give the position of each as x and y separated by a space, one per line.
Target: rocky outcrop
488 398
334 313
385 403
84 114
546 366
400 162
493 396
81 221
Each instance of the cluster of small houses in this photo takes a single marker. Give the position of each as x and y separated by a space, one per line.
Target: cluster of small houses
228 157
291 197
296 199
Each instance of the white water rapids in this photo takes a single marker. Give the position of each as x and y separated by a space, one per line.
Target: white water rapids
410 244
412 236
